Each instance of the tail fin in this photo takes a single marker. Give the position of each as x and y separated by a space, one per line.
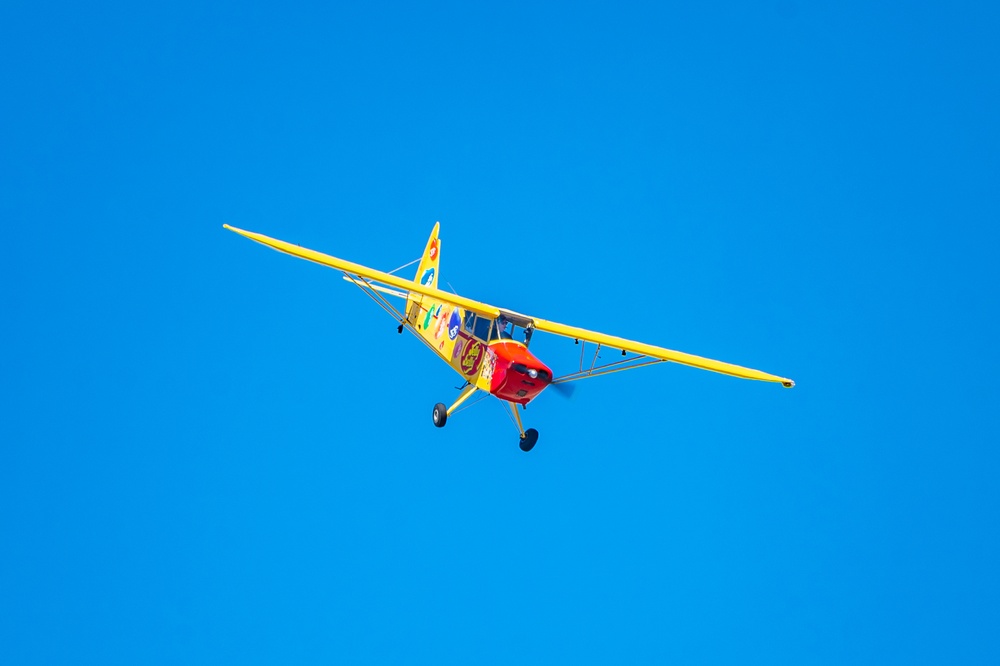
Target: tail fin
427 273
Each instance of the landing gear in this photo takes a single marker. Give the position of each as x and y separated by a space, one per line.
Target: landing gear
528 439
529 436
399 329
440 415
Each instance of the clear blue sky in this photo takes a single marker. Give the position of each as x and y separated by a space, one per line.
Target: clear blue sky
213 453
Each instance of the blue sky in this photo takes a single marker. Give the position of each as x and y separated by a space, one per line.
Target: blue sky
215 453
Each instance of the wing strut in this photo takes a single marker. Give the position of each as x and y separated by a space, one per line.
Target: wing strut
607 368
372 292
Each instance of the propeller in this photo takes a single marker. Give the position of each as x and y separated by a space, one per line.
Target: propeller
565 389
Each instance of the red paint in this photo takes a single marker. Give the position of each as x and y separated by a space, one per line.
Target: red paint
509 380
472 356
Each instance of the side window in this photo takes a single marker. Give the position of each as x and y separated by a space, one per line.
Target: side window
482 327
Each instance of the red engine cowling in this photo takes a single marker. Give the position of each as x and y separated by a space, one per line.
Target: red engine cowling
518 375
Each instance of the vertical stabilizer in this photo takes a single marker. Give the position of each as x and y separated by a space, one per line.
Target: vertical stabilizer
427 272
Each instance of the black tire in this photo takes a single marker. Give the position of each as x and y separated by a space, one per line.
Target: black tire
440 414
528 441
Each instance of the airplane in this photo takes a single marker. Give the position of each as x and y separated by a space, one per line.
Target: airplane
488 346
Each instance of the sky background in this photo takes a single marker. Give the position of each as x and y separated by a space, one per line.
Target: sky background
214 453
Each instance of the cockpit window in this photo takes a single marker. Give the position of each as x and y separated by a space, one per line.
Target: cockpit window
483 326
503 330
508 330
487 329
477 325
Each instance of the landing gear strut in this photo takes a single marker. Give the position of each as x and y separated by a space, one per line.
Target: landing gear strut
440 413
529 436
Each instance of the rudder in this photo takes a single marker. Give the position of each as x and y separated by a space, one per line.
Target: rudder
427 272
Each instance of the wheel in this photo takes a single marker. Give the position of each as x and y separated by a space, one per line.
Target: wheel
440 415
528 441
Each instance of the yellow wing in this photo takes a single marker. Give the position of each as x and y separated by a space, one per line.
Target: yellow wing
351 268
660 353
610 341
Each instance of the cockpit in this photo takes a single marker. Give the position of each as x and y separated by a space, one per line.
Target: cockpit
501 328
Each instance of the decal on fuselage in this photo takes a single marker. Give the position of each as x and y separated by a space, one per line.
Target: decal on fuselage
442 316
427 277
490 365
472 356
427 317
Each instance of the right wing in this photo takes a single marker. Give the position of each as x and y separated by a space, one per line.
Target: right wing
658 353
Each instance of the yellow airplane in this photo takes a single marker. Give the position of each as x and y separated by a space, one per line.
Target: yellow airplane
488 346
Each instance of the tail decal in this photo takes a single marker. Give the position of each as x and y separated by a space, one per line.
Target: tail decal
427 273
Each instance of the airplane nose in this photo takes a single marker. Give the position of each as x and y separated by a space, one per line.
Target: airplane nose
519 376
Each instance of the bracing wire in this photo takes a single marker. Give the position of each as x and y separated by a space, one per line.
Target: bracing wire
470 404
506 407
405 265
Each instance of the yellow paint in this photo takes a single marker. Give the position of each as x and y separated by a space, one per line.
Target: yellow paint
429 312
517 416
364 271
462 397
659 352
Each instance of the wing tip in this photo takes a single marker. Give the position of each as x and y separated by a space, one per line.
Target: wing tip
787 383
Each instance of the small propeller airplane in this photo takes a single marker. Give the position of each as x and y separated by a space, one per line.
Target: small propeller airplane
488 346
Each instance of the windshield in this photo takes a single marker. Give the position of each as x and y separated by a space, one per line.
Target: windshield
485 328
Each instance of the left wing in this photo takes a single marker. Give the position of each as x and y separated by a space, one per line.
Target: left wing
364 272
657 353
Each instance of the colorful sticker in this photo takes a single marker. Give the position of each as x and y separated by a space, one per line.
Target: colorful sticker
490 365
434 250
454 324
442 322
472 357
459 346
427 317
427 277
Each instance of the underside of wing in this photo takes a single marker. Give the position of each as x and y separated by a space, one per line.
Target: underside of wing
647 355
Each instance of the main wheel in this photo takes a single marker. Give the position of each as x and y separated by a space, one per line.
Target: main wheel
528 441
440 415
